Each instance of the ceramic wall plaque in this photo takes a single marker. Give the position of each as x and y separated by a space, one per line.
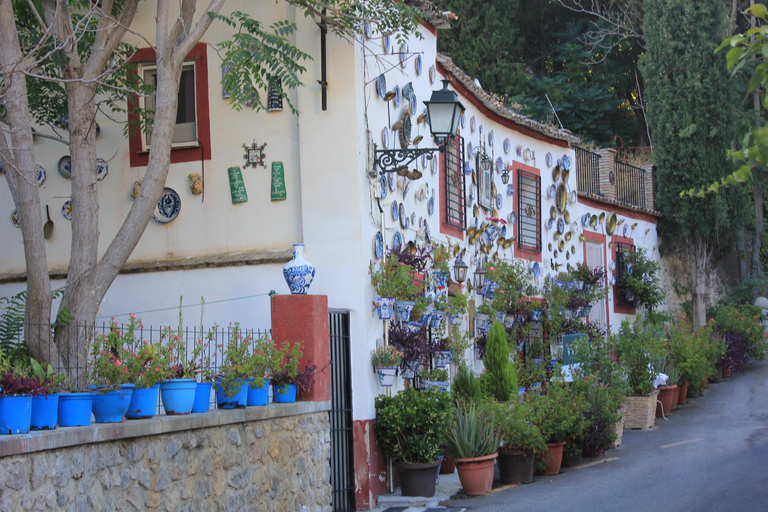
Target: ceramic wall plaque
237 185
278 182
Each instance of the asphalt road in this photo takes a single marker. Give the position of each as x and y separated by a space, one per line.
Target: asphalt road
710 455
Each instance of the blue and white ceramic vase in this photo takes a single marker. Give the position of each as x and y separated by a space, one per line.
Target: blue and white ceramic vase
298 272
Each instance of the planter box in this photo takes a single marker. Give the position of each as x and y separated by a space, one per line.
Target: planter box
641 411
618 428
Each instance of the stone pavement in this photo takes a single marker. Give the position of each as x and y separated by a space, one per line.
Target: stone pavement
447 486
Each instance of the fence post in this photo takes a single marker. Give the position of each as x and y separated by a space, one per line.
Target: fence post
304 318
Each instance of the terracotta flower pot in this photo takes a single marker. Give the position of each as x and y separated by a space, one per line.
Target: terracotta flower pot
683 393
476 474
666 393
516 466
555 458
448 466
675 398
727 368
417 479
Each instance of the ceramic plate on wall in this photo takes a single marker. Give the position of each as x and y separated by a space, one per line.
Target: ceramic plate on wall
463 119
512 218
507 146
403 55
472 124
403 216
499 164
510 190
378 245
396 99
499 201
397 241
431 206
168 207
549 159
490 138
417 63
385 44
381 86
395 211
383 183
66 210
432 74
15 220
391 181
102 169
433 165
65 167
469 150
41 174
385 137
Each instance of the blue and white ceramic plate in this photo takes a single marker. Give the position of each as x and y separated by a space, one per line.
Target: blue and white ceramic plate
381 86
499 201
463 119
472 124
567 162
394 210
66 210
407 91
427 232
519 150
560 226
41 174
65 167
471 195
383 183
168 207
433 165
504 231
396 99
378 245
499 164
507 146
549 159
413 218
512 218
550 224
585 220
391 181
469 150
403 216
432 74
510 190
431 206
417 63
467 168
397 241
406 188
385 137
403 55
626 230
424 161
490 138
102 169
385 43
414 105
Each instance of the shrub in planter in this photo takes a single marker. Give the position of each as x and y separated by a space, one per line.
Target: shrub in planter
501 380
473 439
45 405
638 346
17 390
411 428
466 387
521 442
745 322
601 414
640 278
692 351
148 365
560 415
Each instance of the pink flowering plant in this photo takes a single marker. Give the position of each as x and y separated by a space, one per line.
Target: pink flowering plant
238 360
147 363
386 356
106 369
184 363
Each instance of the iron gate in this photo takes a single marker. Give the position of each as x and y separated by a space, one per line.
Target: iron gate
342 461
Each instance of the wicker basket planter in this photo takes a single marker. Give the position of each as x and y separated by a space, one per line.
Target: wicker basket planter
641 411
618 428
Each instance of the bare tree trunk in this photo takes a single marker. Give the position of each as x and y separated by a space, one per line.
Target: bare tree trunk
21 175
758 194
742 254
698 260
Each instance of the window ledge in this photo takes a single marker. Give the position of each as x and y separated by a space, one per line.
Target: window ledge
180 146
64 437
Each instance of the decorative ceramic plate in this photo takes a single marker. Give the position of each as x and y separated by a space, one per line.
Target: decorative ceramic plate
102 169
403 216
395 214
469 150
381 86
550 224
432 73
519 150
612 266
573 197
574 227
407 90
413 218
504 231
551 192
378 245
413 103
383 183
431 206
490 138
433 165
593 221
403 55
385 137
499 164
66 210
471 194
499 201
567 162
585 220
549 159
65 167
463 119
168 207
391 181
553 212
407 222
427 232
561 198
397 241
467 168
396 99
472 124
15 220
626 230
41 174
512 218
612 280
560 226
510 190
507 146
417 63
385 44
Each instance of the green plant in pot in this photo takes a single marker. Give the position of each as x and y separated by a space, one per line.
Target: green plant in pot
473 439
392 280
411 427
559 414
500 379
639 279
689 349
521 441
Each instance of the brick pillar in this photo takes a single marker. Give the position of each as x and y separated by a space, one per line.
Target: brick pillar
304 318
607 166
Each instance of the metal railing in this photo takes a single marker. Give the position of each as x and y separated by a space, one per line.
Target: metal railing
587 171
630 184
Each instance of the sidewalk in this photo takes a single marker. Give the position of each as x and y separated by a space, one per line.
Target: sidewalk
447 486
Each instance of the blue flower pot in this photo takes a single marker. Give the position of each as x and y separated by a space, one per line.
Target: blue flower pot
384 307
403 308
178 396
45 412
235 402
15 414
258 396
75 409
143 403
110 407
202 397
285 394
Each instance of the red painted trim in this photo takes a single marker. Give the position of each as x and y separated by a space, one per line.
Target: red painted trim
370 466
626 310
139 157
600 238
626 212
519 252
446 228
524 130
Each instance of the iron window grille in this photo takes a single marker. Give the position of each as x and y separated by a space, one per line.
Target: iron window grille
528 211
625 297
455 214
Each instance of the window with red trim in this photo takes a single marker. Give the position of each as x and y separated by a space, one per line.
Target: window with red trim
452 204
192 136
529 211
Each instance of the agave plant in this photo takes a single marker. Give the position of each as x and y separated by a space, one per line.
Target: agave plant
473 433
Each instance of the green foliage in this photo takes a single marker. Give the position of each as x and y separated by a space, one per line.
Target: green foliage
11 327
465 386
386 356
502 378
473 433
559 414
512 280
603 403
518 432
643 279
106 369
147 363
50 380
746 321
413 425
393 279
595 358
681 74
638 346
691 351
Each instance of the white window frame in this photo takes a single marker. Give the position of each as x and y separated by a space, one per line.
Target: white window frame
145 68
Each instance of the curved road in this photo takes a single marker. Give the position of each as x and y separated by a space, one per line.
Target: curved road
711 455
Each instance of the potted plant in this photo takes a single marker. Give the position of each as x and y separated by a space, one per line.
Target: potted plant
178 391
16 391
109 376
639 278
500 373
260 365
689 349
385 360
148 365
521 441
392 280
411 428
603 404
45 406
288 380
473 439
231 379
667 392
434 378
559 414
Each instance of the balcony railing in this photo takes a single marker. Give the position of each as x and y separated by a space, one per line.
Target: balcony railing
630 184
587 171
613 179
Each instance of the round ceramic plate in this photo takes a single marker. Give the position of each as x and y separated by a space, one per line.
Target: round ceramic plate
560 226
469 150
432 73
561 197
417 63
574 227
41 174
391 181
463 119
65 167
551 192
512 218
378 245
472 124
385 137
585 220
507 146
395 214
626 230
381 86
427 232
433 165
397 241
499 164
383 183
431 206
490 138
510 190
499 201
467 169
15 220
102 169
403 216
66 210
403 55
168 207
549 159
413 103
567 162
573 197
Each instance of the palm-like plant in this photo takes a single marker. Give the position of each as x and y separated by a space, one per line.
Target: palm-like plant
473 433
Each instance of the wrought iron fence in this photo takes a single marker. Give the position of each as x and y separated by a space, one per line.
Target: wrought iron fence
630 184
587 171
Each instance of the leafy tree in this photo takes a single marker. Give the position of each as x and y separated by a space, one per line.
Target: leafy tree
691 107
501 378
61 57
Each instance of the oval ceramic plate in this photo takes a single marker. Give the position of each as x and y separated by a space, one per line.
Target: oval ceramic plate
585 220
381 86
433 165
561 199
168 207
490 138
65 167
549 159
385 44
403 55
396 99
512 218
15 220
403 216
567 162
102 169
499 164
432 73
397 241
499 201
573 197
378 245
551 192
463 119
626 230
66 210
507 146
469 150
395 214
417 63
383 183
431 206
467 169
385 137
391 181
560 226
472 125
41 174
510 190
553 212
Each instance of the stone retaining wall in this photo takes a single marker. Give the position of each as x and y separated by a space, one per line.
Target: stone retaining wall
277 462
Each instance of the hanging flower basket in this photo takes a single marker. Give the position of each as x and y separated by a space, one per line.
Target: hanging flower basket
387 375
443 358
404 308
384 307
436 319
